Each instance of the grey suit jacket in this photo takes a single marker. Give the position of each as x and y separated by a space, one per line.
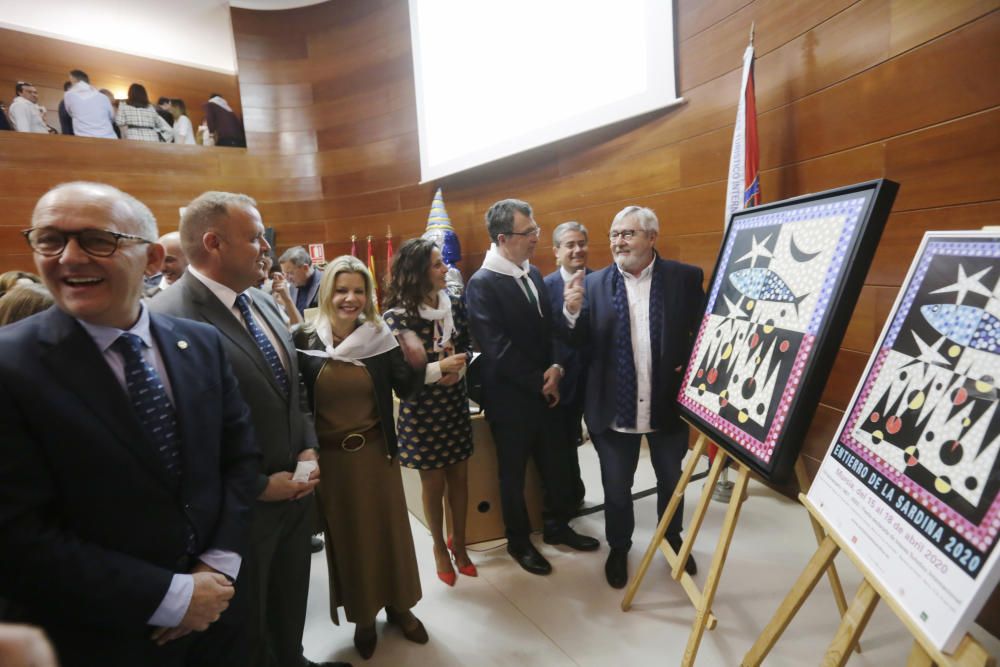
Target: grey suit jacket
282 424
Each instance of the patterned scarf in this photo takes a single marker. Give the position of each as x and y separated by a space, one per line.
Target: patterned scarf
627 385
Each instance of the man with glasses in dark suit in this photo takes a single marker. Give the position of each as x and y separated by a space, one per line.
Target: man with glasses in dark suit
511 321
128 467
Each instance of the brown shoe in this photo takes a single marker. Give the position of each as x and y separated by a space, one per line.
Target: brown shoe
365 640
411 626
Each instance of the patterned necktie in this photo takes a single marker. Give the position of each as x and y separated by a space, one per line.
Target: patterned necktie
270 354
151 404
527 288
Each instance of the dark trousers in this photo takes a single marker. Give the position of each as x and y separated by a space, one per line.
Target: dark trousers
539 437
619 456
275 580
571 421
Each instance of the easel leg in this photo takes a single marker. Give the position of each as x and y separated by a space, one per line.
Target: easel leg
918 657
838 589
699 513
661 528
851 626
818 564
718 560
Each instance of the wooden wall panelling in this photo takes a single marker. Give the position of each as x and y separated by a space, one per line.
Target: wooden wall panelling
905 229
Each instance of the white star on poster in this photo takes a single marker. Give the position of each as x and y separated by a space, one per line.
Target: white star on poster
735 311
929 353
758 250
966 284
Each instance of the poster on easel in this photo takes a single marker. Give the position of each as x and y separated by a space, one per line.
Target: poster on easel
783 289
911 481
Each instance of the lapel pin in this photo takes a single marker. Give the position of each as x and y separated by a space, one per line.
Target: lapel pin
182 344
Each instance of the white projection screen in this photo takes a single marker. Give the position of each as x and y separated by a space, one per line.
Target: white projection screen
498 78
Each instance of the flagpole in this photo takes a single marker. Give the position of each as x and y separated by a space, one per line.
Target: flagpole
723 490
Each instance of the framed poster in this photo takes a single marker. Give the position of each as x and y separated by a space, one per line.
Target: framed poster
911 481
780 297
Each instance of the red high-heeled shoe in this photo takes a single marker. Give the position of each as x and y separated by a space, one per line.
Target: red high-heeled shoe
468 570
448 577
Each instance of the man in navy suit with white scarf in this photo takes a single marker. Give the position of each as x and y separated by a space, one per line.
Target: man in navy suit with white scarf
511 320
639 316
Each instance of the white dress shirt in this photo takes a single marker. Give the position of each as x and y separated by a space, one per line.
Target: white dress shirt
178 597
228 299
26 116
90 110
183 132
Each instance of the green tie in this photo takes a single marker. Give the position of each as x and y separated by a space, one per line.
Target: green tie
527 288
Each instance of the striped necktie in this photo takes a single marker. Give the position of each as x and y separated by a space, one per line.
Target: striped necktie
259 337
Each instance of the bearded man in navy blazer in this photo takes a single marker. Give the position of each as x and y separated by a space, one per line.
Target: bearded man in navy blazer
511 321
638 316
570 244
128 467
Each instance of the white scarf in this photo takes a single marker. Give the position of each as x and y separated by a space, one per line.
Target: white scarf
221 102
364 342
444 323
497 263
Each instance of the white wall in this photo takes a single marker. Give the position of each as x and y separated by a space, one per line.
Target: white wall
197 33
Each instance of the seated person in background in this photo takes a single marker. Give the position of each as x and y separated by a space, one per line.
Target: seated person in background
23 301
4 121
90 110
303 276
225 126
276 285
10 279
139 120
26 115
163 108
183 131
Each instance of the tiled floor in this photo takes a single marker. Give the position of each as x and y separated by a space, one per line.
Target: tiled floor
509 618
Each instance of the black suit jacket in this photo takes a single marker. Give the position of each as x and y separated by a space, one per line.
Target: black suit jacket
572 359
515 341
282 424
91 530
682 309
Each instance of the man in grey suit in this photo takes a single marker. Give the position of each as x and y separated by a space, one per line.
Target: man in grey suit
223 238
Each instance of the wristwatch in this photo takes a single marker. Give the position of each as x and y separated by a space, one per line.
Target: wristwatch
562 371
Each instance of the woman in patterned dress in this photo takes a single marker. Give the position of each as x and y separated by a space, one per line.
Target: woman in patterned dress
435 434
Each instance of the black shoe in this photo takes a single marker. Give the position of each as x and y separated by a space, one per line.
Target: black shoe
315 544
676 542
365 640
616 568
572 539
310 663
529 558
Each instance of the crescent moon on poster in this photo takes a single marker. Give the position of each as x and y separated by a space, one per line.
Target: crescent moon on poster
798 255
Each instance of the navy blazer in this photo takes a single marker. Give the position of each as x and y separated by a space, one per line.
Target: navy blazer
682 309
91 528
572 359
515 341
312 299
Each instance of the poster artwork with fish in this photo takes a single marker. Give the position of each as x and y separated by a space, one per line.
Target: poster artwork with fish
784 286
911 481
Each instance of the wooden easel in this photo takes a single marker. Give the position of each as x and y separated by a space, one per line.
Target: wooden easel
924 654
702 599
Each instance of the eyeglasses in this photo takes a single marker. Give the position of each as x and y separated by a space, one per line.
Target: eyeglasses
625 234
51 242
534 231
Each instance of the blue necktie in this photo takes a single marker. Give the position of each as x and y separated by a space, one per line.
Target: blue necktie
151 404
270 354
